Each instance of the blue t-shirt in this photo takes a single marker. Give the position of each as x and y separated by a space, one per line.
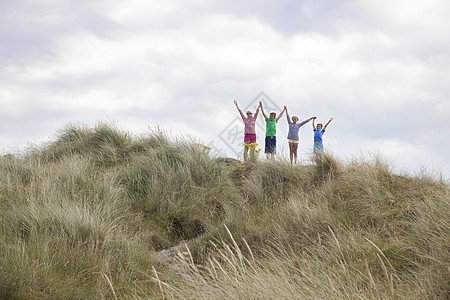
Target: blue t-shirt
318 135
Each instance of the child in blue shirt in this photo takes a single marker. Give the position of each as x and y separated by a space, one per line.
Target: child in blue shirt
318 133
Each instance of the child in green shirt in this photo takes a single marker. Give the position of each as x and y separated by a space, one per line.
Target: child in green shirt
271 131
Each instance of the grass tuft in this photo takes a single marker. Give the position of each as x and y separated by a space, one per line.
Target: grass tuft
90 214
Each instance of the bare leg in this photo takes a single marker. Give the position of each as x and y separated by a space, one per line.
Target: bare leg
295 148
291 151
252 154
245 153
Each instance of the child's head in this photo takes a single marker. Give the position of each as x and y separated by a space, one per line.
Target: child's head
294 119
249 114
272 116
319 126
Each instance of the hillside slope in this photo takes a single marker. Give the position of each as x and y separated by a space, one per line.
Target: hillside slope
83 216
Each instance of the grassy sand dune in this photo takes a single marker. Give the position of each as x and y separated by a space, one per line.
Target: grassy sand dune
87 215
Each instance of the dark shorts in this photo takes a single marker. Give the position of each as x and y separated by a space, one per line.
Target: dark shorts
271 144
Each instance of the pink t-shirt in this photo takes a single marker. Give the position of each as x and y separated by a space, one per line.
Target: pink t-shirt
249 123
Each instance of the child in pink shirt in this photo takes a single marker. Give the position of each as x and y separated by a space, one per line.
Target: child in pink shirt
249 132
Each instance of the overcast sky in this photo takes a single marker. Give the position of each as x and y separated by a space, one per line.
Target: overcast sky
381 68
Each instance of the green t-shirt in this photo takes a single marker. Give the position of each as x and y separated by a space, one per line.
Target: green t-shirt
271 127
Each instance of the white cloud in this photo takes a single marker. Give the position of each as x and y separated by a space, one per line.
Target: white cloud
419 24
142 11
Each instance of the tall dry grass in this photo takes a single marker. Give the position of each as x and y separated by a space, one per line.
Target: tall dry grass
82 215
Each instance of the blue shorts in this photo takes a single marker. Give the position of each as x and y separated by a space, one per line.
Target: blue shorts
271 144
318 147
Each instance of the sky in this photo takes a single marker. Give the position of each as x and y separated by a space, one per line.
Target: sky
380 68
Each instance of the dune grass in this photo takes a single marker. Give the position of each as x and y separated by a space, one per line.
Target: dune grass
82 215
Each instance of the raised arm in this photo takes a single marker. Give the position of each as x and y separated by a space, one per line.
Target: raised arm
313 119
306 121
329 121
287 114
262 109
256 113
281 113
239 110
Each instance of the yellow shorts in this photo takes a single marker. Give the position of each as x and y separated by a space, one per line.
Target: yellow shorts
293 141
